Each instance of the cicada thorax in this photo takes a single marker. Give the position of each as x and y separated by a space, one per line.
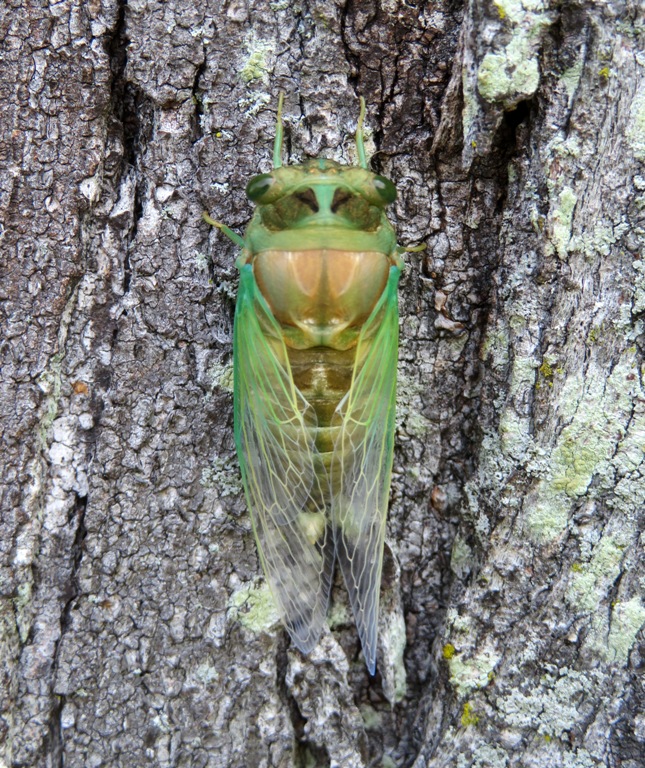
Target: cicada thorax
322 299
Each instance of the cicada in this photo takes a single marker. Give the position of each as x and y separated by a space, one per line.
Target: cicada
315 355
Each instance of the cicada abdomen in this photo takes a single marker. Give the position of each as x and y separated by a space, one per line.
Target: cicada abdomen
315 356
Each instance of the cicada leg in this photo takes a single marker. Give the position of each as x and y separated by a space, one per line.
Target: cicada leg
226 230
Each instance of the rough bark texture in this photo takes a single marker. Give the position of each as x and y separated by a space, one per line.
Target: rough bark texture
135 627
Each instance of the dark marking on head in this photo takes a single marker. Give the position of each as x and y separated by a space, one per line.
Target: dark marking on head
341 196
308 197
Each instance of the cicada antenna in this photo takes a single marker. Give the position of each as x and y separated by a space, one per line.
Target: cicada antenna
360 144
226 230
279 133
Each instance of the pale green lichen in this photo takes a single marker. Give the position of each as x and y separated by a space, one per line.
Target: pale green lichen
639 286
636 128
584 450
393 638
579 758
411 421
467 675
491 461
371 717
570 78
512 74
552 709
201 261
484 756
517 323
588 442
499 79
457 623
627 619
511 10
549 514
562 219
253 607
227 288
257 64
577 457
600 240
223 476
495 346
221 375
461 557
326 22
591 582
339 615
514 431
253 103
409 401
571 146
523 374
206 674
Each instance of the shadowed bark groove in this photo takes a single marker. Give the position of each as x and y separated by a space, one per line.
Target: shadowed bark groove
136 628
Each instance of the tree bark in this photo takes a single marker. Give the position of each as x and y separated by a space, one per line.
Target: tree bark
136 626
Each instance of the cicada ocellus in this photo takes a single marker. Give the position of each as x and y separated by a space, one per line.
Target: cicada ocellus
315 357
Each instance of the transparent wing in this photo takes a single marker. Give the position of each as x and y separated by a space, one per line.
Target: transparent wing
362 464
275 430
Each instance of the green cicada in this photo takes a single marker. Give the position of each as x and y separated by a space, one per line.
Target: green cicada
315 357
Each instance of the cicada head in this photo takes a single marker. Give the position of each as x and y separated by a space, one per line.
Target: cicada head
321 192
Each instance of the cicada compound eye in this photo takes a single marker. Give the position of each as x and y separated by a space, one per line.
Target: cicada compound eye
386 190
257 188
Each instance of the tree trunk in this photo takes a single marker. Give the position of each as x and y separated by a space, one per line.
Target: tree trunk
136 626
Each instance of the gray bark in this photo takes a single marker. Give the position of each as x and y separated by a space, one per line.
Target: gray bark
135 625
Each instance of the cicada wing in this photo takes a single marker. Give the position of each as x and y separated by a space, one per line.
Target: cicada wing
275 430
362 464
